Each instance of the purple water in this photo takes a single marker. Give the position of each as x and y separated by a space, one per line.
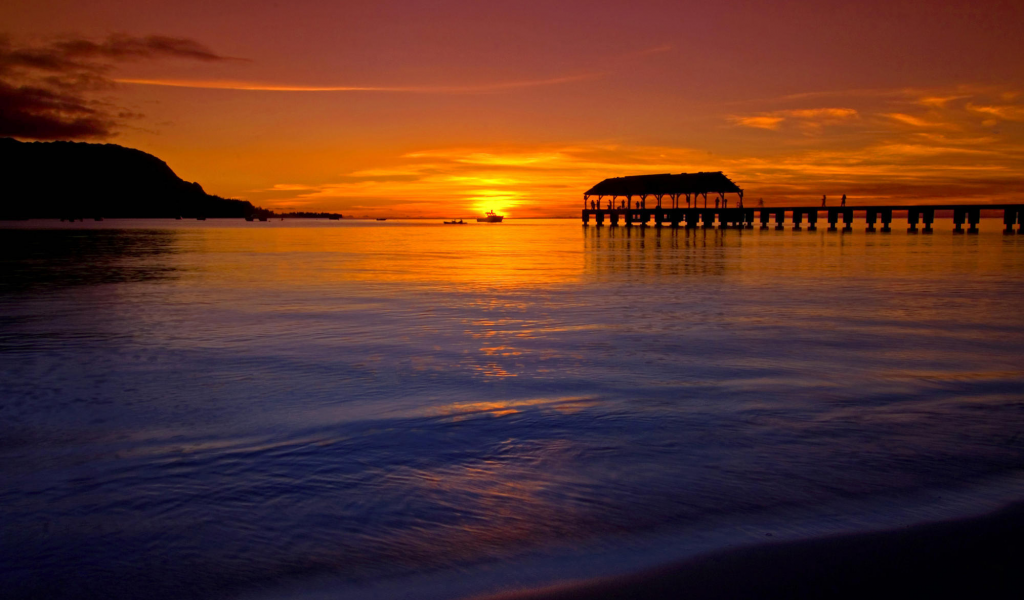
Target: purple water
227 409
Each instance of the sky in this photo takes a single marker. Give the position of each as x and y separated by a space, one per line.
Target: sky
395 108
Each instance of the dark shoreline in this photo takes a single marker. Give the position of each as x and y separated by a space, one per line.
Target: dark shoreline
981 557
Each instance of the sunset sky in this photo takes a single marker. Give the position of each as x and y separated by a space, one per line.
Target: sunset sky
449 108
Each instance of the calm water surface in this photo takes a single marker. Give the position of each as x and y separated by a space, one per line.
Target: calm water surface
404 409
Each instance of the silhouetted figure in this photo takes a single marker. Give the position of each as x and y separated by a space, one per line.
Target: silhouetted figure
725 203
716 202
760 201
843 203
638 205
823 200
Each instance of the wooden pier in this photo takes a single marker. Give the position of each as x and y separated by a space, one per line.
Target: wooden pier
801 216
617 195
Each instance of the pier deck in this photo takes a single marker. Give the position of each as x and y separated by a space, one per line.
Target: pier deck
1013 214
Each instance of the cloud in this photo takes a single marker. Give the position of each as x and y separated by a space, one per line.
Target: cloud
809 119
1005 112
762 122
48 91
821 113
413 89
44 114
918 121
476 88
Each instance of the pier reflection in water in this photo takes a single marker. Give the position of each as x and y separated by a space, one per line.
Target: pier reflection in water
370 401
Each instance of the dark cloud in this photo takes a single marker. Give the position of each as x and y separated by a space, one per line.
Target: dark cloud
47 92
38 113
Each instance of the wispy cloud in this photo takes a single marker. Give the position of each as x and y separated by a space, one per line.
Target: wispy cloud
415 89
1004 112
759 122
807 118
470 88
918 121
48 91
923 151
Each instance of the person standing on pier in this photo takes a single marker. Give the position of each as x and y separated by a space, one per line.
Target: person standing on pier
823 200
843 203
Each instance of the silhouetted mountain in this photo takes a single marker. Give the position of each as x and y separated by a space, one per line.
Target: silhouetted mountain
42 180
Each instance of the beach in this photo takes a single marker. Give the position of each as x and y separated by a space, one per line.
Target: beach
969 558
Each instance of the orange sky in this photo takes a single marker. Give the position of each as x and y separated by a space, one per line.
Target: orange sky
449 108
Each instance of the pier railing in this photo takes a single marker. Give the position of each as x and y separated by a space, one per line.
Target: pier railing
744 218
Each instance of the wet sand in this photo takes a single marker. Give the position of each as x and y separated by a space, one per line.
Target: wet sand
972 558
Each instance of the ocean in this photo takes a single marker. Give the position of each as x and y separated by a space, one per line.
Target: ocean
404 409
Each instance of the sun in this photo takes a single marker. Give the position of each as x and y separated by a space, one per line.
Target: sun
501 202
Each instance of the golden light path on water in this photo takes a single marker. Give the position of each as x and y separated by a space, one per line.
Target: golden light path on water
371 401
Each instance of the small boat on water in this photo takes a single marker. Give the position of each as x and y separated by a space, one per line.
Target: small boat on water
490 217
384 219
459 222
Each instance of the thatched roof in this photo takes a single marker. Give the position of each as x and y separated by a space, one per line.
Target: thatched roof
667 184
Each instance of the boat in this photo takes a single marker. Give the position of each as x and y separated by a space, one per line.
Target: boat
384 219
459 222
490 217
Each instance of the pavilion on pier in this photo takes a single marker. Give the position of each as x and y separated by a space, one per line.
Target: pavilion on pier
676 187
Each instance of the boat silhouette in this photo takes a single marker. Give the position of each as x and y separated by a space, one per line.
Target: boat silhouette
490 217
459 222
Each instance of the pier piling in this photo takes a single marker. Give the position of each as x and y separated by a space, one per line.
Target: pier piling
958 220
743 218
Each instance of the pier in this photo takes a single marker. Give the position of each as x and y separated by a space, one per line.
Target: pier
617 195
877 218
